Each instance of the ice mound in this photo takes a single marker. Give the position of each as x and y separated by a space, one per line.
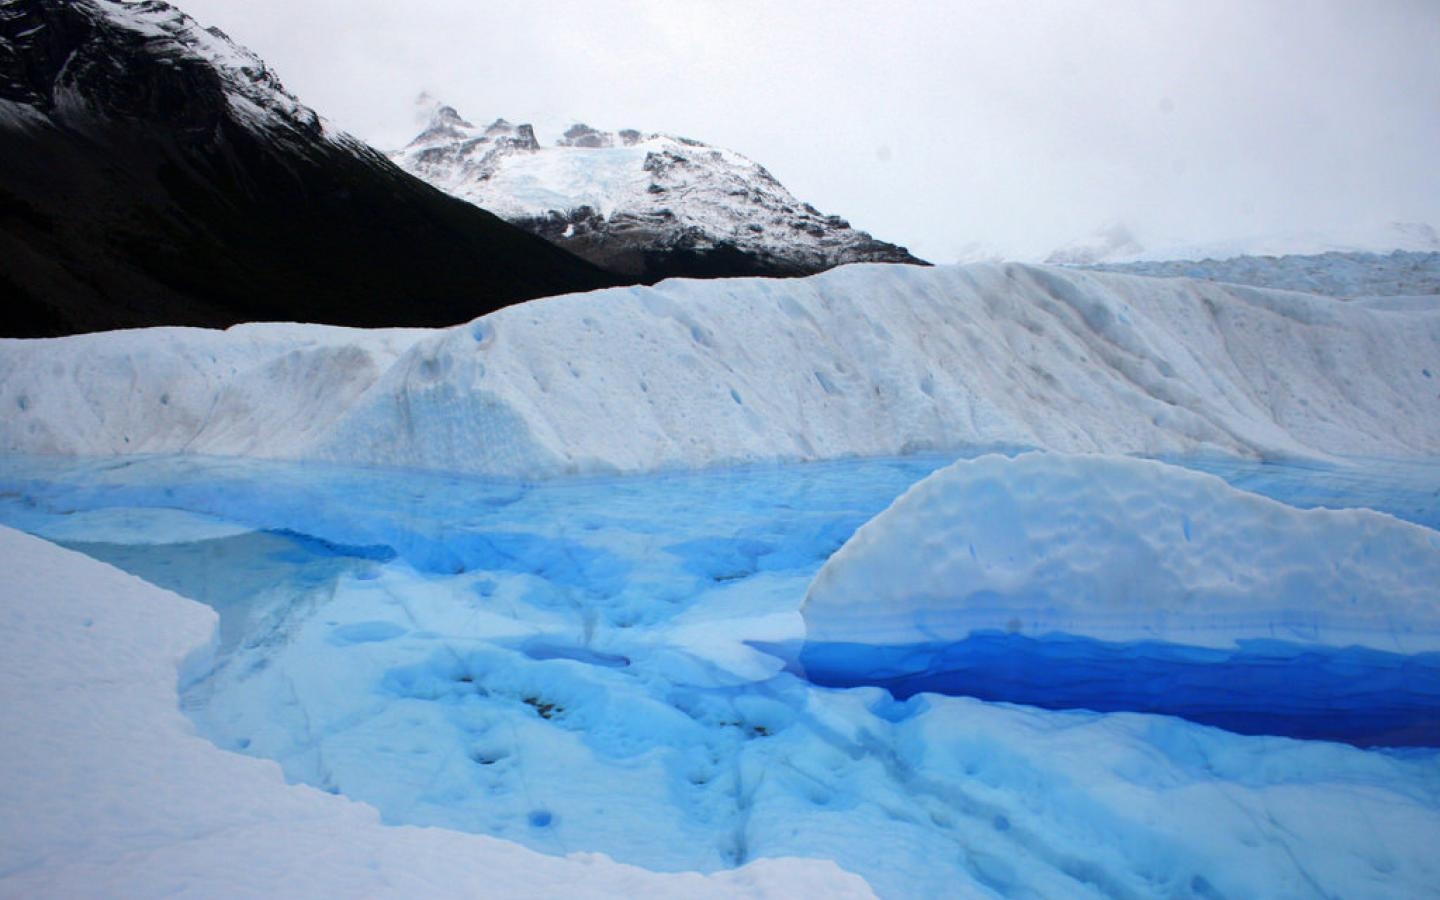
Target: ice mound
860 361
1119 584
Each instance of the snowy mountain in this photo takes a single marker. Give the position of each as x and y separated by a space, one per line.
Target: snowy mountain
648 206
158 174
865 360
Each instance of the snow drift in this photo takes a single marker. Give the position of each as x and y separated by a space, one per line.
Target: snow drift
863 360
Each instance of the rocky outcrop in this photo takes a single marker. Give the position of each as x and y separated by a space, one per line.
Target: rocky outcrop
647 206
157 174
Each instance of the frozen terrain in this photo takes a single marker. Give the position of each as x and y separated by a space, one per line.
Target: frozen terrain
1149 683
1397 260
108 792
1116 242
573 665
1114 584
1370 276
864 360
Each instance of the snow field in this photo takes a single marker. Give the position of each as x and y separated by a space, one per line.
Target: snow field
863 360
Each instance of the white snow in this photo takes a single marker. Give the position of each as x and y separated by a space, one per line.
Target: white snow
108 792
864 360
255 93
1124 550
695 193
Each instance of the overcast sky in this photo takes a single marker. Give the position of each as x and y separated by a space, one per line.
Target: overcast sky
1019 126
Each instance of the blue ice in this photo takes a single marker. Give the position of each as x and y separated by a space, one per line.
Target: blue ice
575 665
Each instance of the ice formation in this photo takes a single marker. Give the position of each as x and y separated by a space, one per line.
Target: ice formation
1120 584
864 360
1125 550
565 664
107 789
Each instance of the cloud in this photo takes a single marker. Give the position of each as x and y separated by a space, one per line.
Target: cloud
934 125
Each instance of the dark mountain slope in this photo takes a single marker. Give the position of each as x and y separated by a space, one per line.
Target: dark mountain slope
154 173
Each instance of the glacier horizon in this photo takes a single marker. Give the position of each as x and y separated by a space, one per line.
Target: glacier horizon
866 360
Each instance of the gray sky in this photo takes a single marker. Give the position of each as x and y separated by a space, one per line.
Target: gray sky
1019 126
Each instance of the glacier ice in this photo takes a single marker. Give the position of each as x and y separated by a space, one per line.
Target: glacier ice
1120 584
596 685
107 789
863 360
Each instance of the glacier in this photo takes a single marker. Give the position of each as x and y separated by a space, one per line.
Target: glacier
868 360
597 664
543 577
108 791
1107 583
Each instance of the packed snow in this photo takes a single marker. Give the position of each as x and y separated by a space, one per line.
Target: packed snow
108 791
864 360
571 664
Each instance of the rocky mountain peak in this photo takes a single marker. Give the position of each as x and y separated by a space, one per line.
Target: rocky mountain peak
649 206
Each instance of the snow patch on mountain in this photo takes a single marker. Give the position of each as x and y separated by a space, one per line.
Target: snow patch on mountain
865 360
622 199
252 90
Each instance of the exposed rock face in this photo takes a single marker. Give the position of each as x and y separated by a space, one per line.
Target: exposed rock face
157 174
647 206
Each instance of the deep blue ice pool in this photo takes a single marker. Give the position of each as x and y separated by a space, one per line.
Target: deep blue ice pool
581 665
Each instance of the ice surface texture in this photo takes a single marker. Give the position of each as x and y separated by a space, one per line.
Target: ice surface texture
864 360
107 790
588 686
1124 550
1119 584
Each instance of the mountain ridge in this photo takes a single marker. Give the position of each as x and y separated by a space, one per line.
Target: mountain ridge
646 205
157 174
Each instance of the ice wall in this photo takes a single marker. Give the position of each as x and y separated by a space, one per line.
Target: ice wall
869 360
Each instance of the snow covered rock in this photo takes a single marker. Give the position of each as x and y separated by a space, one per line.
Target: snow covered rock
157 174
107 788
648 206
864 360
1124 550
